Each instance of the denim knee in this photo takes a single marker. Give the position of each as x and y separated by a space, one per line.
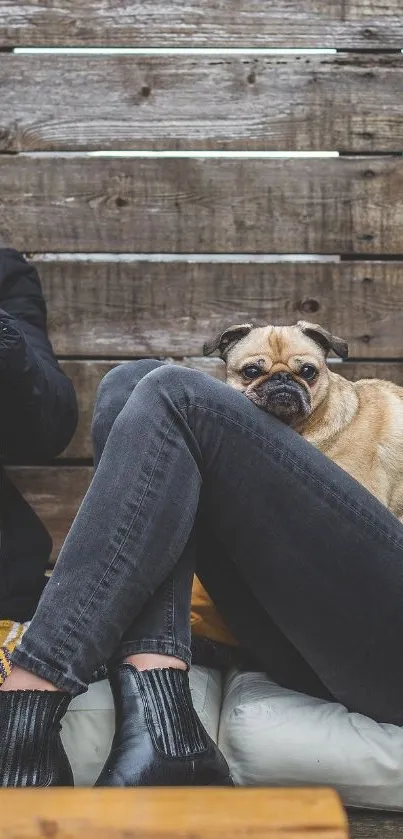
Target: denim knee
183 383
113 393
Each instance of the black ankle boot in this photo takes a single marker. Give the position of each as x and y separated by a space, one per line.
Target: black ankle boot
159 739
31 751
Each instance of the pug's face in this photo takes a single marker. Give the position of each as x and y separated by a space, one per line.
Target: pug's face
281 369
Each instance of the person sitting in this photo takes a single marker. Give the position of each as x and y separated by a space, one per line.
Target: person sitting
38 417
302 561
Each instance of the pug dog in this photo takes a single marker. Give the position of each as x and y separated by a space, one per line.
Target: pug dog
359 425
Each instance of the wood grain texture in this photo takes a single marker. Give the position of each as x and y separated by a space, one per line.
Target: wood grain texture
123 309
391 371
87 375
322 206
172 814
309 102
371 825
153 23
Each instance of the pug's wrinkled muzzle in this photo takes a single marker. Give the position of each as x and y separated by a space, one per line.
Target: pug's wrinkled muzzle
281 396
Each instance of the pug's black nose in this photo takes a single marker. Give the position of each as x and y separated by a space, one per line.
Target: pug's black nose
281 376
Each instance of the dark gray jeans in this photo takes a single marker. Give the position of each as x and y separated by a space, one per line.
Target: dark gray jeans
305 565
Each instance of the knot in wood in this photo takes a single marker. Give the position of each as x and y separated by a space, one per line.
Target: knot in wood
310 306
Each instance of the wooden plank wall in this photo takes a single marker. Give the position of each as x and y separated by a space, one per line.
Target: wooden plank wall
357 24
198 102
150 253
324 206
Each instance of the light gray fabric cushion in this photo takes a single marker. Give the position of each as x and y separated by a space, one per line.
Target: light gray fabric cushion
87 732
88 726
207 689
271 735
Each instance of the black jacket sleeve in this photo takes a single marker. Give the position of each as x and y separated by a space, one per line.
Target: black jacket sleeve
38 408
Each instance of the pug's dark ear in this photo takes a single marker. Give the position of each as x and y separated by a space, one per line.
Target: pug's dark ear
324 338
227 339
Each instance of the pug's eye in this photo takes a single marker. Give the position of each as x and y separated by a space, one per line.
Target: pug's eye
251 371
308 372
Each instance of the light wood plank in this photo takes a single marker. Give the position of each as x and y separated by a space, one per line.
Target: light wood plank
86 376
322 206
172 814
286 23
126 309
309 102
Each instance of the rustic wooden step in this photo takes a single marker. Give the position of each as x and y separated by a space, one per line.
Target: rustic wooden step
171 813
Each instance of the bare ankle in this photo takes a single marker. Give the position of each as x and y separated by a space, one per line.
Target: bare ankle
20 679
153 661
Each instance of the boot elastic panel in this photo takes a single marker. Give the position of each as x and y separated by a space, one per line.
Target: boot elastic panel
31 751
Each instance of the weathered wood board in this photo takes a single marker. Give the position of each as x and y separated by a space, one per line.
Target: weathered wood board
114 205
322 206
361 24
305 102
158 205
122 309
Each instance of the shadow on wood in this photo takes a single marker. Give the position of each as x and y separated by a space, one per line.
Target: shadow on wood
369 824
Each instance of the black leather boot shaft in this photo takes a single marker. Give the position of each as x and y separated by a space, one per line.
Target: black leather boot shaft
31 751
159 739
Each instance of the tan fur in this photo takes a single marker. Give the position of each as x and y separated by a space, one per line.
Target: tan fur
359 425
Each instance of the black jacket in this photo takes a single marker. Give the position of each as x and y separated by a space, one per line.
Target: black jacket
38 416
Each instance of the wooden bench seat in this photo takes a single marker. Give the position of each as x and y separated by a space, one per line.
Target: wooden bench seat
174 813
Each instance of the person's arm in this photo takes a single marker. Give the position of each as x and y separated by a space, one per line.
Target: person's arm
38 408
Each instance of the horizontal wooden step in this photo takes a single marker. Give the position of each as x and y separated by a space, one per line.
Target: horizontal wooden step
169 308
309 102
203 205
86 376
178 23
173 813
